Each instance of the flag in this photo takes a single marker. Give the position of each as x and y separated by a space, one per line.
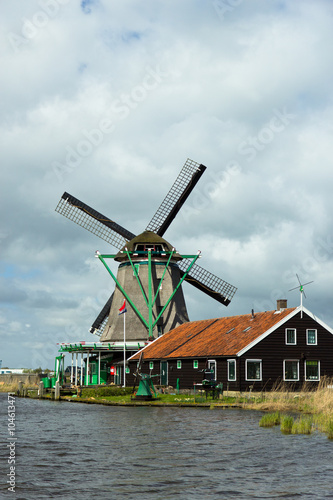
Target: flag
123 309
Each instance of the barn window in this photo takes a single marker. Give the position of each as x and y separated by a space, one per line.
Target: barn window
195 363
231 370
312 370
290 370
151 365
253 369
179 363
211 365
311 337
291 336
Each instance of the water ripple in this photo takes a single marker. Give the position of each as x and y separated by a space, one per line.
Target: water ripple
69 451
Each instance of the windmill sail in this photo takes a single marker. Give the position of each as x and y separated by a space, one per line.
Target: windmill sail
174 200
93 221
100 322
136 282
208 283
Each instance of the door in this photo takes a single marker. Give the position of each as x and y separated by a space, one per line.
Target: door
164 373
118 375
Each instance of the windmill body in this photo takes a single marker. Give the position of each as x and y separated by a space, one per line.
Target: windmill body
136 283
136 253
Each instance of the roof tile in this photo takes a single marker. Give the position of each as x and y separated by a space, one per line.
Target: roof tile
213 337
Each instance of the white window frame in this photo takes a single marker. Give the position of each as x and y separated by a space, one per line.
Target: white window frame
195 362
316 336
229 361
151 365
291 343
312 379
212 362
179 364
284 370
253 361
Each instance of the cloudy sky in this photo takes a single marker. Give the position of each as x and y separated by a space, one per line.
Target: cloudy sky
107 99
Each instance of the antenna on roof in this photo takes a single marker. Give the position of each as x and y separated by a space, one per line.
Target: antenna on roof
301 289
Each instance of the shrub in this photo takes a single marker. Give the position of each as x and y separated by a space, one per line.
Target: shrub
106 391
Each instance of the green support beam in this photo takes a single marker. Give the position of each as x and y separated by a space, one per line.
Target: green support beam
175 290
101 258
150 301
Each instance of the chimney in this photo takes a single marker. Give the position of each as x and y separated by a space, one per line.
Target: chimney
281 304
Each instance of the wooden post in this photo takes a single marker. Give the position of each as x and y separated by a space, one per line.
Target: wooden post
41 390
20 388
57 391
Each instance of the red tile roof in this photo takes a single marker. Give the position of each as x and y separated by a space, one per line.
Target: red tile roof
213 337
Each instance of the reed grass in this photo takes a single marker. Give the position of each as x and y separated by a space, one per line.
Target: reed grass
270 419
13 386
286 424
302 426
317 404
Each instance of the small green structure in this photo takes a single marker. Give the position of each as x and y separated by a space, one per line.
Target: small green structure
146 389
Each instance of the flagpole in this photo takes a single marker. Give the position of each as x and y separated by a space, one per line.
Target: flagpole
124 352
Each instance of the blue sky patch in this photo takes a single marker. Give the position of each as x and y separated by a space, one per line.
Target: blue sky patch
86 6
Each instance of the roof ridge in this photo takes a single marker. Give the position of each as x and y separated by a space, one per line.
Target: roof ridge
273 311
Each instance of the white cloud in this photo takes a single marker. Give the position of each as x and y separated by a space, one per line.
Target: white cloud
121 96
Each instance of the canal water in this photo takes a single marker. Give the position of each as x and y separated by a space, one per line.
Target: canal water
77 451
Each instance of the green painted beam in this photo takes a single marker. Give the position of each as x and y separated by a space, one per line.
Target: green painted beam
101 258
175 290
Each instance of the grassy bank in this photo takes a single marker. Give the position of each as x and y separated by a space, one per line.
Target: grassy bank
13 387
318 401
315 409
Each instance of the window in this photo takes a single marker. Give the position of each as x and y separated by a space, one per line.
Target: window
195 364
231 330
212 368
311 337
290 370
312 370
231 369
127 370
253 369
291 336
151 365
179 363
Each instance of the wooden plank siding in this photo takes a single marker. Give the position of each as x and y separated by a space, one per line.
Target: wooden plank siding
265 335
273 351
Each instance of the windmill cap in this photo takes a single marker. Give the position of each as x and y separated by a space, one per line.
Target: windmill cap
146 238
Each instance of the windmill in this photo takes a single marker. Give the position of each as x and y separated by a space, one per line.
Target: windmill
149 266
302 292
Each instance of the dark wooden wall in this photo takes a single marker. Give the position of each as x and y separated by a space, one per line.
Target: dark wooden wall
272 351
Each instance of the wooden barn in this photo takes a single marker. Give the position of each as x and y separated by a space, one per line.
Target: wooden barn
256 350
